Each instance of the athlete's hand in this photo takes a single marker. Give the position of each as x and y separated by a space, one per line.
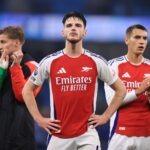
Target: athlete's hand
16 57
49 125
145 85
4 61
96 120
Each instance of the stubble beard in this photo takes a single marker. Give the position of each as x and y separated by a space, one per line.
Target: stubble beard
74 41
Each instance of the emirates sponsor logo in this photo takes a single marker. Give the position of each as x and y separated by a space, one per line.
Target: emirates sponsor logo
73 80
73 83
132 84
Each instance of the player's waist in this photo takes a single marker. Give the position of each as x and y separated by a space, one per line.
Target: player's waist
133 131
69 133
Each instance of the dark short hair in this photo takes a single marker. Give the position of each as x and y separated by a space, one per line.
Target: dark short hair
74 14
14 32
135 26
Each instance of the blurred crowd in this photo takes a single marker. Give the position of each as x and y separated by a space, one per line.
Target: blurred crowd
102 7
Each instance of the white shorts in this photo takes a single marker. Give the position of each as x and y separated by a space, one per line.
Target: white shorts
122 142
86 141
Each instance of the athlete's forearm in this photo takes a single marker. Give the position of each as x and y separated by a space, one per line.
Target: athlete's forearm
29 99
117 99
114 105
120 92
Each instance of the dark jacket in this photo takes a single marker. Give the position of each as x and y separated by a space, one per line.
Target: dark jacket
16 123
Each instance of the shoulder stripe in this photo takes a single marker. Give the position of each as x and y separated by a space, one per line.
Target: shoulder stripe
118 59
51 55
147 61
96 55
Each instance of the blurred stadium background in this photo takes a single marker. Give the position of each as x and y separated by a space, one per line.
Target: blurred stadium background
107 21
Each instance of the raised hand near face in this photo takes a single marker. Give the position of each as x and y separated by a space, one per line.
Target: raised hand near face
16 57
4 60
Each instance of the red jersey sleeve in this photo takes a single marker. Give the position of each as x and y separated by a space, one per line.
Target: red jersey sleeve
18 79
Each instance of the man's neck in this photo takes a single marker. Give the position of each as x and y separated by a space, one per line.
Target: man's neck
135 59
73 50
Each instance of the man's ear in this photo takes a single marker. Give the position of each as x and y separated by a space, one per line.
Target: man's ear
62 33
126 40
85 33
16 43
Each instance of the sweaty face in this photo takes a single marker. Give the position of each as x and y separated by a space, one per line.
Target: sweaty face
137 41
7 45
74 30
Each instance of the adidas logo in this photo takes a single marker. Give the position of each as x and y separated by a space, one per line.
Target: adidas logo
86 69
126 75
61 71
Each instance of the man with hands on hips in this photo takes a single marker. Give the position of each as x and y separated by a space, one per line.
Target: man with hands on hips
72 73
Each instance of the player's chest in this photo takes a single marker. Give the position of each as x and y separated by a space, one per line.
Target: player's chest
132 76
74 68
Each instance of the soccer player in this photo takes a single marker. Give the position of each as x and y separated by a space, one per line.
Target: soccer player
133 117
16 123
73 73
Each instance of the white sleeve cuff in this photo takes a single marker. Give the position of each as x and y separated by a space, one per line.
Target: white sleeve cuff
130 96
